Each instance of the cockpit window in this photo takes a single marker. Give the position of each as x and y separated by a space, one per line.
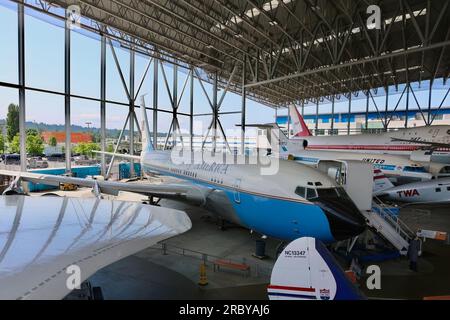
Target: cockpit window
328 193
300 191
414 169
311 193
322 193
308 193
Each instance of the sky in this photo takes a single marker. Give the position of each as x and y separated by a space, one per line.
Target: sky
44 58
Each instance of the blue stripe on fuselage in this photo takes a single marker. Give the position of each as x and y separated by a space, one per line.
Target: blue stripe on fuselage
277 218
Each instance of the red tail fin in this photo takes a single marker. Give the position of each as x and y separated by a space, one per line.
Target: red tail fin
299 127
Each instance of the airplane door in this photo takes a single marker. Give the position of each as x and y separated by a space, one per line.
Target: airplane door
237 195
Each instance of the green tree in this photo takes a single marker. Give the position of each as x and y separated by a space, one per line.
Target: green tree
35 145
86 148
110 148
2 143
12 122
14 145
52 142
32 132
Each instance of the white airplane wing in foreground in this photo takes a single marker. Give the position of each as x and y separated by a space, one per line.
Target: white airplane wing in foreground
44 241
184 192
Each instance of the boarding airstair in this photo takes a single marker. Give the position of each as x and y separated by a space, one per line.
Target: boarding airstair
385 221
357 179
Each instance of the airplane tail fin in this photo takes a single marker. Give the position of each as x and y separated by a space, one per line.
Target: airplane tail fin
286 145
306 270
299 127
146 140
380 182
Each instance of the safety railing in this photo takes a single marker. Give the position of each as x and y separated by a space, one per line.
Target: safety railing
387 214
256 270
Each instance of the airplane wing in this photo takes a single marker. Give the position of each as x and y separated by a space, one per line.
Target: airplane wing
48 246
184 192
119 155
433 145
260 126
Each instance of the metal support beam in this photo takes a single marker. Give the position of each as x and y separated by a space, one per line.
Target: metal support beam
21 52
386 108
349 112
244 106
67 90
191 108
317 116
155 103
367 111
351 63
430 95
332 114
131 111
103 103
108 173
215 112
176 129
407 105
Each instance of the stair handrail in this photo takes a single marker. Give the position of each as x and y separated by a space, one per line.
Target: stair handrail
400 227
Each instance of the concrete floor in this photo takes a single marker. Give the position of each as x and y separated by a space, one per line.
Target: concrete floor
152 275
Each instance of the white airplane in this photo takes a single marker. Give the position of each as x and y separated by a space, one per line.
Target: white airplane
399 169
297 201
306 270
421 142
50 245
433 191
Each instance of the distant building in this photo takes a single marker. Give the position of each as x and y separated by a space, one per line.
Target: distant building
75 137
375 121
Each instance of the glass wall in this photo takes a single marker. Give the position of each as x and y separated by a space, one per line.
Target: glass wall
44 56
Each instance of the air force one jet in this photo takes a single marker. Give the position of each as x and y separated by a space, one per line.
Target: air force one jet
297 201
433 141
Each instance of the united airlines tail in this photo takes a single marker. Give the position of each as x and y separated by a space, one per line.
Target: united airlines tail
299 127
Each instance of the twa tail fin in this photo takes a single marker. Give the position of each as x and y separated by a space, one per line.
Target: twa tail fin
146 140
299 127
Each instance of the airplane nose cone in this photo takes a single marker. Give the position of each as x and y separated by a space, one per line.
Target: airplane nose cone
345 219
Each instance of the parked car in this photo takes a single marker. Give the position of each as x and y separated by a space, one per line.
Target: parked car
36 163
11 159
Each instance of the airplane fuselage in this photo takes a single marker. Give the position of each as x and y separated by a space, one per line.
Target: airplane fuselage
433 191
267 204
382 142
401 169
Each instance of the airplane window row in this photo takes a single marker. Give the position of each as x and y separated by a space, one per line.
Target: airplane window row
217 180
440 189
